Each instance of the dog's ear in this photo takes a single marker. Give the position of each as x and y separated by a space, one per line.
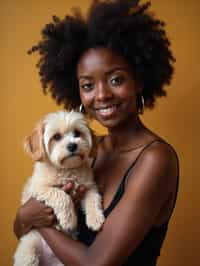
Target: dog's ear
93 152
33 144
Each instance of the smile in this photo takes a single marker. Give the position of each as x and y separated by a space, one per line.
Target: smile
108 110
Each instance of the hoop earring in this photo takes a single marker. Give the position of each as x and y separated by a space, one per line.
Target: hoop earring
141 109
81 109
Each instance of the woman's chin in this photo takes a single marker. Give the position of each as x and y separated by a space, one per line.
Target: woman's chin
112 123
115 120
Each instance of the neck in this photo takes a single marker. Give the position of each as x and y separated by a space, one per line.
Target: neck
127 135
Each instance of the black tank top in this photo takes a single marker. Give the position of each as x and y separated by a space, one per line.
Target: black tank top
148 251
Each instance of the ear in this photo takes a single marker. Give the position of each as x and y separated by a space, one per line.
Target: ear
33 144
93 151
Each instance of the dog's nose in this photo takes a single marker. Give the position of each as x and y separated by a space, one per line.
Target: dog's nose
72 147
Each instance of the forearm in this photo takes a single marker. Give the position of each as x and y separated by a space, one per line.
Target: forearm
69 251
20 228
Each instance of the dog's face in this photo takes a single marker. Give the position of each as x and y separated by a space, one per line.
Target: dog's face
63 138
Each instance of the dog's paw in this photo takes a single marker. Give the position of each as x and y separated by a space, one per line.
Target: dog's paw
95 220
69 223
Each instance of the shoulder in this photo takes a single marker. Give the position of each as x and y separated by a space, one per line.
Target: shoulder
156 169
159 154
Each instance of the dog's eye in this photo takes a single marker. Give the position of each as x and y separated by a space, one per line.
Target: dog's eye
57 136
77 133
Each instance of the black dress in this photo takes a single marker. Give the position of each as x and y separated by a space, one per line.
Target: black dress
148 251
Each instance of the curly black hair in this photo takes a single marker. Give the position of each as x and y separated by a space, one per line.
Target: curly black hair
125 26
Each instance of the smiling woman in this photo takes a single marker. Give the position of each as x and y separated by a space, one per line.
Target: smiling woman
115 62
107 86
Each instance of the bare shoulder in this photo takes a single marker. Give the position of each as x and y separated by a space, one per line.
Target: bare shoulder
160 153
156 169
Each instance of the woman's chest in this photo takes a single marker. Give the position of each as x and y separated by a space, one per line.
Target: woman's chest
109 175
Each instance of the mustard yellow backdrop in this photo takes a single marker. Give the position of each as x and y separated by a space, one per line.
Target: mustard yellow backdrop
176 117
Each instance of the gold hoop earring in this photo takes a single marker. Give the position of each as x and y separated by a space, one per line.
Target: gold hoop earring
141 109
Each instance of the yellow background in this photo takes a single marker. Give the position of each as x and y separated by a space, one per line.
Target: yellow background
175 117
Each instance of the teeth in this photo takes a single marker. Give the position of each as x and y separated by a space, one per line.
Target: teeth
107 110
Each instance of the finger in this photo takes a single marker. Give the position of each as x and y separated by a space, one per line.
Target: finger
75 197
68 187
81 191
49 210
50 219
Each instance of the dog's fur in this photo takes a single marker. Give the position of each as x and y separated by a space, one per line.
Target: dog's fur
61 146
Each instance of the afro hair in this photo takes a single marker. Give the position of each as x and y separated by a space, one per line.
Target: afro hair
125 26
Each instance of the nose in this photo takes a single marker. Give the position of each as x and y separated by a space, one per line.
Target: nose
72 147
103 92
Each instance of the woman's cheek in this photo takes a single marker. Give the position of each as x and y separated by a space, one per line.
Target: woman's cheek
87 99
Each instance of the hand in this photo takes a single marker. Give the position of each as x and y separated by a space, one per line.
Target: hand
76 195
32 214
36 214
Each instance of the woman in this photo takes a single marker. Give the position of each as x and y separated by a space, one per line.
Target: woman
114 63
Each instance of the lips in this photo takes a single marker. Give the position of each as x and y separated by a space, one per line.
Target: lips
107 111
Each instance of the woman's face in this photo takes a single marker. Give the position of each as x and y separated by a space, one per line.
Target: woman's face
107 87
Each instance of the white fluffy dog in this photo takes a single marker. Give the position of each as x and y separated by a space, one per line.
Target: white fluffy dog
61 145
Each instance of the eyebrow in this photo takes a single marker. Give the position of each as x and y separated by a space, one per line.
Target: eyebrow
107 73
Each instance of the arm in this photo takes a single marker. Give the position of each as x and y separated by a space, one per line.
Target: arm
34 214
152 185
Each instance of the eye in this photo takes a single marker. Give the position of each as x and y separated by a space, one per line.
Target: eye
117 80
87 86
57 136
77 133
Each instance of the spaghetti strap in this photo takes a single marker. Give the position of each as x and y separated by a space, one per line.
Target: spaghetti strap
124 181
121 188
154 237
142 151
139 155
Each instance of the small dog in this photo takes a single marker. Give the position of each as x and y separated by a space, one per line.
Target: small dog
61 146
